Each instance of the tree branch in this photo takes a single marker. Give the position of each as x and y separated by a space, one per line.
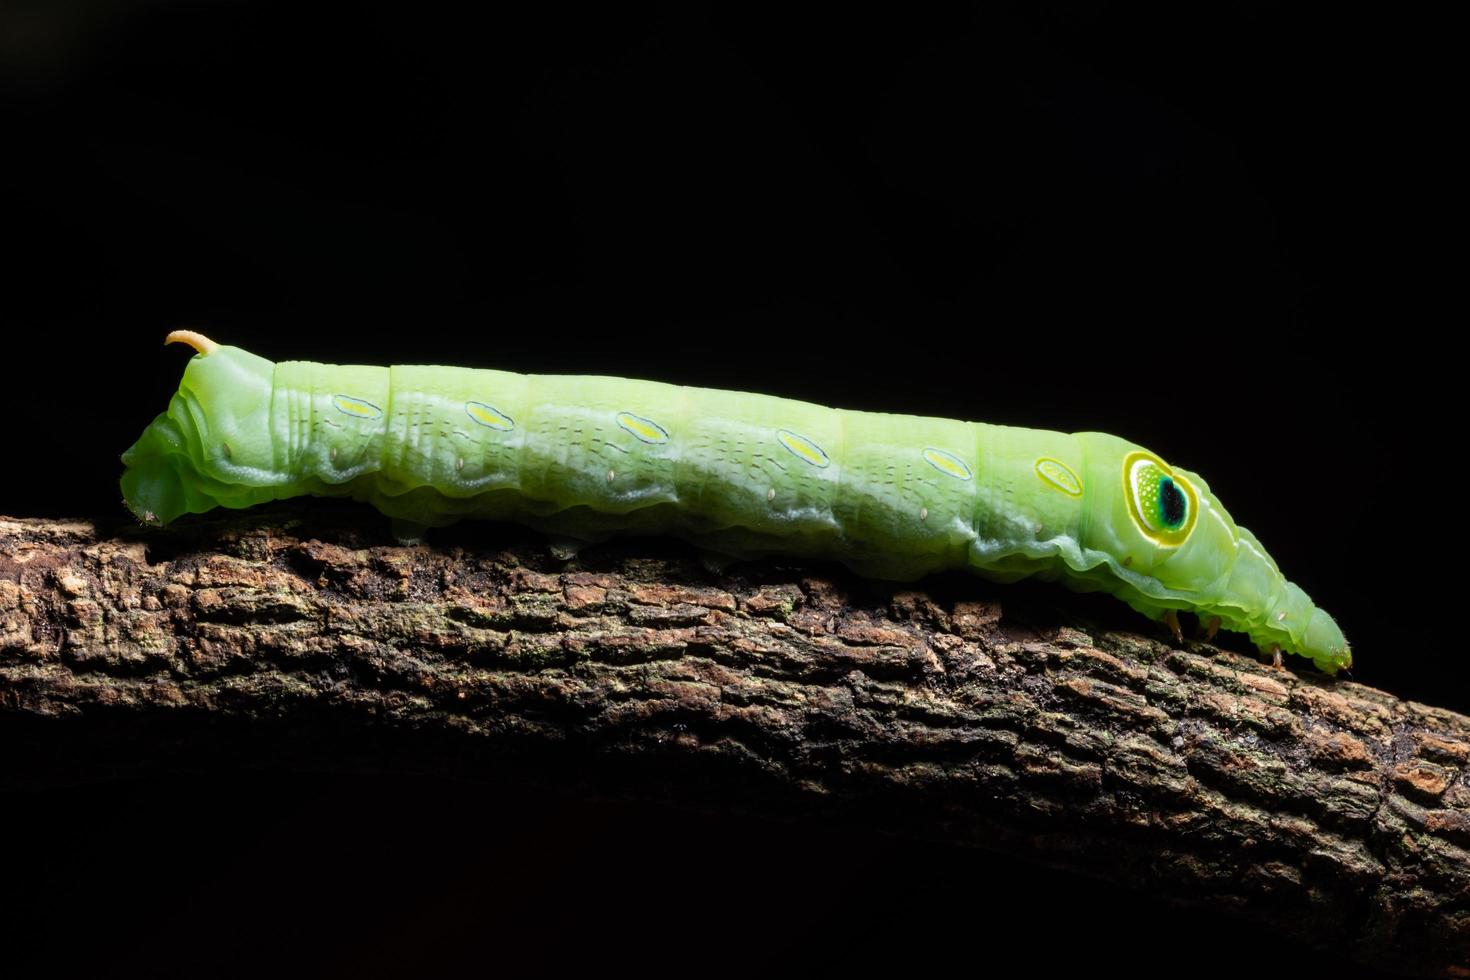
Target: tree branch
1332 811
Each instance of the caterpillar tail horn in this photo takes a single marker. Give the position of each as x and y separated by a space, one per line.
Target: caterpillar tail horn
194 339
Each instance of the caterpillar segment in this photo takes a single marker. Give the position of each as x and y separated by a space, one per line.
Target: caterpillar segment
740 475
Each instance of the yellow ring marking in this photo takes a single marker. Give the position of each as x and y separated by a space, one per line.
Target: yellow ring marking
358 408
1059 475
803 448
643 429
489 416
947 463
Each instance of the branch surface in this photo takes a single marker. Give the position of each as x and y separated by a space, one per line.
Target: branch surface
1331 811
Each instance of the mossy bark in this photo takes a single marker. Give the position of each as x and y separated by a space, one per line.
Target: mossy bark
1332 811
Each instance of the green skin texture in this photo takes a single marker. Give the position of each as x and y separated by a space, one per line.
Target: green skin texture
242 430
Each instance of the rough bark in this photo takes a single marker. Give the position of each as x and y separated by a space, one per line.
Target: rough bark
1323 807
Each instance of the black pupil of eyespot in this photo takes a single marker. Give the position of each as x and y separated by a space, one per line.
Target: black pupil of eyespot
1171 503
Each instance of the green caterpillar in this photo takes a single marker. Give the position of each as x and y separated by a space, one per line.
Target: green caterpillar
741 475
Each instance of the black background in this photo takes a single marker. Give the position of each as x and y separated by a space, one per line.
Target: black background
1193 228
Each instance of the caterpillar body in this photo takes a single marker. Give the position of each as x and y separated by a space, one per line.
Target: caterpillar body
741 475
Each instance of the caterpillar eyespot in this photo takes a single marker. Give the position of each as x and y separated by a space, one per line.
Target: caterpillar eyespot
894 497
1162 504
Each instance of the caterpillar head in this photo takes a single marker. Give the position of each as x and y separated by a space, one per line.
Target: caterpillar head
212 446
1175 546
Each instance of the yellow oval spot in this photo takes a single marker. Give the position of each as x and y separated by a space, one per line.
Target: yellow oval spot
802 447
1059 475
358 408
645 429
947 463
489 416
